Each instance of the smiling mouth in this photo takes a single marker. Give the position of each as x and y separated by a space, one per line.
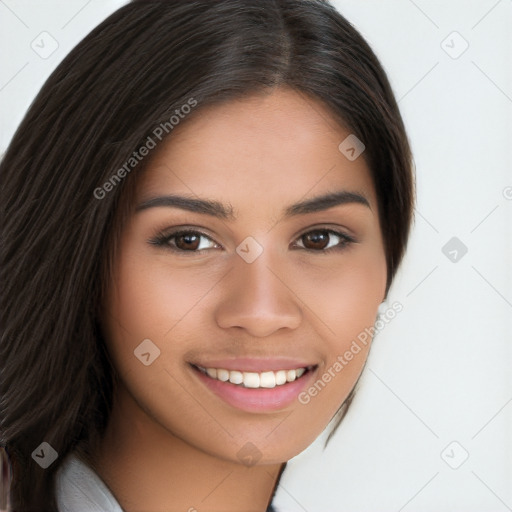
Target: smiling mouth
255 380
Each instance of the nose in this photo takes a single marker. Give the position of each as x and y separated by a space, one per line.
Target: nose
259 298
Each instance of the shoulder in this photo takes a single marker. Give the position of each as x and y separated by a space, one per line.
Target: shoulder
78 487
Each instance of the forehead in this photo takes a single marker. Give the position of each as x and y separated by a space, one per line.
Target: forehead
270 149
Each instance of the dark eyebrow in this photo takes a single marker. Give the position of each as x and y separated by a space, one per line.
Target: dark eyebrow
320 203
204 206
224 212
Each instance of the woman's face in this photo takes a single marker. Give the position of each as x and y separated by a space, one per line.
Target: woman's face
263 280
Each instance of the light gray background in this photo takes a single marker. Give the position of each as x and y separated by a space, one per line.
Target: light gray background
438 373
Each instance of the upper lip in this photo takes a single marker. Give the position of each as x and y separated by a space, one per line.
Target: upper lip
246 364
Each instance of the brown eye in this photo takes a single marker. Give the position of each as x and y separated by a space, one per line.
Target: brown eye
184 241
187 241
318 240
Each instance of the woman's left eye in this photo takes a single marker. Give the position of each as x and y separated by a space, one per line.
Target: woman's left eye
318 238
189 241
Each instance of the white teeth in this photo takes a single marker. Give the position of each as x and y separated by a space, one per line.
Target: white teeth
251 380
269 379
280 377
236 377
222 375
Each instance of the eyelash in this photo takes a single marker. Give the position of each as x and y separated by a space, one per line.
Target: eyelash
163 239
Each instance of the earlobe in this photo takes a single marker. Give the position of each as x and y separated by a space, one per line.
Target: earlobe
383 306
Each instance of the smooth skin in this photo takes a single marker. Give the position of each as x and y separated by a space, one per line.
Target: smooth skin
171 444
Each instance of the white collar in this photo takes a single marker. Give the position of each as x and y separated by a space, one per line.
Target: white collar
79 488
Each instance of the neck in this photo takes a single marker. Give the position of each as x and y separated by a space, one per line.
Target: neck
148 468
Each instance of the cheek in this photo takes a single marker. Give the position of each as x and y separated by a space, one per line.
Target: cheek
345 297
149 299
360 288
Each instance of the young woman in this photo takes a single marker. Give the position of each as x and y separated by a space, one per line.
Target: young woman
202 211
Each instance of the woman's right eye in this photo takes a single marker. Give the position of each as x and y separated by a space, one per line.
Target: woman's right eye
183 241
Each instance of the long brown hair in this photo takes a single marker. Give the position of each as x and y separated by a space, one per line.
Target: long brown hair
98 107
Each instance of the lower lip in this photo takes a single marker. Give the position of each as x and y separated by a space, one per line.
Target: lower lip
259 399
